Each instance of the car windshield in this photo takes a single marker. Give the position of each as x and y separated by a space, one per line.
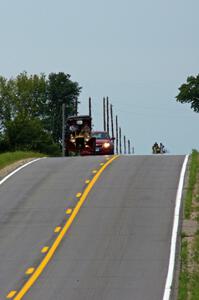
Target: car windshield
100 135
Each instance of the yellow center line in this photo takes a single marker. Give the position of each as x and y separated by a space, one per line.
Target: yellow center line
78 195
30 271
57 229
11 294
69 211
44 249
61 235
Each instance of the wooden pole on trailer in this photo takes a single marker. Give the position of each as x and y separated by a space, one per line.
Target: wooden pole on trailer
120 140
107 113
76 106
116 125
90 110
112 126
104 113
129 147
124 144
63 128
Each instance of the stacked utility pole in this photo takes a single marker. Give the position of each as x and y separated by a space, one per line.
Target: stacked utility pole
89 104
104 113
90 109
76 106
112 127
107 113
129 147
63 128
117 135
124 144
120 140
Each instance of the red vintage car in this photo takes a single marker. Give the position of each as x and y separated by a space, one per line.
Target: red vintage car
104 143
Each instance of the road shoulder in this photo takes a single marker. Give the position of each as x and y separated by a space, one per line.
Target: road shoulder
10 168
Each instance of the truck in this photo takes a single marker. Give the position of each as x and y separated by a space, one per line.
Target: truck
78 138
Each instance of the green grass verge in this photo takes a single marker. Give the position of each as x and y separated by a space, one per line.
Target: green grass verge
196 250
184 276
189 271
194 167
11 157
194 279
194 286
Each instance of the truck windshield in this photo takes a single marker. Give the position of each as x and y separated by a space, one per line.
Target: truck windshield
100 135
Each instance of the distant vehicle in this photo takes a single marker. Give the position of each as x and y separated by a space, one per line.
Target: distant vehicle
104 143
158 149
78 139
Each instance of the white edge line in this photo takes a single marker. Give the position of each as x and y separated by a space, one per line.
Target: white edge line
18 169
169 280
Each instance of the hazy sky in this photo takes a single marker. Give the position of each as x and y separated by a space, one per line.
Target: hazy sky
137 52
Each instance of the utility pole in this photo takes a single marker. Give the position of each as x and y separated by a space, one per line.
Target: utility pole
129 147
107 113
90 110
76 106
120 140
133 150
116 125
124 144
63 128
104 113
89 103
112 127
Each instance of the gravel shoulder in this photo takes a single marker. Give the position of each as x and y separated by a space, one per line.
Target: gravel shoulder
10 168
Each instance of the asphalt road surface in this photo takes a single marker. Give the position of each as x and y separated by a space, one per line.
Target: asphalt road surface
117 247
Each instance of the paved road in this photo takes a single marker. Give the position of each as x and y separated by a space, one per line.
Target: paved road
118 245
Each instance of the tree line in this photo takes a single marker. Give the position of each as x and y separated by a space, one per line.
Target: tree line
30 111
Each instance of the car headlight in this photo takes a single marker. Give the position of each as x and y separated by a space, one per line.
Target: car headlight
106 145
72 140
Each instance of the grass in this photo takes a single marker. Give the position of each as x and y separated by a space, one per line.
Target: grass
196 249
194 167
189 271
194 286
184 276
11 157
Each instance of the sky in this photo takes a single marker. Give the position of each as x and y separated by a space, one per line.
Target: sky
136 52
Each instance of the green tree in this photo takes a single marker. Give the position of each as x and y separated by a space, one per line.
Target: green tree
25 95
25 133
7 96
189 92
30 109
60 90
30 95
